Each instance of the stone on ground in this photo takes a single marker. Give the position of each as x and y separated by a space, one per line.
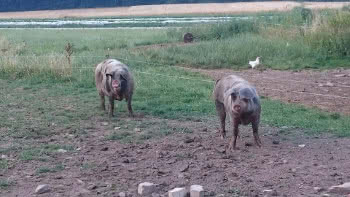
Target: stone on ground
42 189
146 188
197 191
343 189
178 192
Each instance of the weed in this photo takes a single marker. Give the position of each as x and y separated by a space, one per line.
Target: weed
4 184
45 169
3 165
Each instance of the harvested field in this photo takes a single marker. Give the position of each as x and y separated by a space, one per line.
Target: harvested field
176 9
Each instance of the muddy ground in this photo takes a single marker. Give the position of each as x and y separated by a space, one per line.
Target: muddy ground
192 155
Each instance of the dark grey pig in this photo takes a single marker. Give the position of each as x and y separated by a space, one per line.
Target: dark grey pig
114 80
236 97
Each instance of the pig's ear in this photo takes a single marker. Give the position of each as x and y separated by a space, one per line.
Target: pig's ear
108 82
123 77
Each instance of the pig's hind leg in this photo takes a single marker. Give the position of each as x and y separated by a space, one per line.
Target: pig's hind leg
255 126
128 100
111 107
102 100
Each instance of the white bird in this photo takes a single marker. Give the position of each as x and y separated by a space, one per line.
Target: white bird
255 63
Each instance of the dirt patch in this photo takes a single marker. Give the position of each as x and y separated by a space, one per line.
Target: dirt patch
161 46
328 90
173 9
100 167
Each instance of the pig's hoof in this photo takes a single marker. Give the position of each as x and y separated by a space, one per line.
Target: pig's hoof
223 134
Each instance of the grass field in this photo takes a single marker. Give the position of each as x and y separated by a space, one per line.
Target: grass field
36 60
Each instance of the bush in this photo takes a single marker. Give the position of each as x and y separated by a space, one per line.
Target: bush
331 35
217 31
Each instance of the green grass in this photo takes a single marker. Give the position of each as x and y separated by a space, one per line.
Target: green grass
4 184
41 153
311 119
3 165
299 39
43 95
46 169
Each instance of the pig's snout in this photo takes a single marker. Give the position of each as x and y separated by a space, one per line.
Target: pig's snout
237 108
115 84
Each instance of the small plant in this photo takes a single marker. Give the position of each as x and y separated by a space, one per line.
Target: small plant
45 169
5 183
69 51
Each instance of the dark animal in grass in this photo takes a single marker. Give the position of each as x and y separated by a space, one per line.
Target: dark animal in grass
237 98
114 80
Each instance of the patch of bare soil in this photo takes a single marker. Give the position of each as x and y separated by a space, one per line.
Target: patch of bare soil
99 167
328 90
174 9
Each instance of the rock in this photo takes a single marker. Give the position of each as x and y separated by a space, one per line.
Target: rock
3 156
80 182
196 191
301 145
117 128
104 123
137 130
340 75
275 142
61 151
319 189
122 194
42 189
92 187
325 195
285 161
269 192
340 189
329 84
146 188
189 140
178 192
184 167
104 149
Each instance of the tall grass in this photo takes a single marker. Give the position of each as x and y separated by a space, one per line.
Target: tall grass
298 39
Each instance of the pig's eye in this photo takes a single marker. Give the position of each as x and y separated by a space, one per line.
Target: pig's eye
245 100
233 96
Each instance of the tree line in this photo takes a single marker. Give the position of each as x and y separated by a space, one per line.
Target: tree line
27 5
